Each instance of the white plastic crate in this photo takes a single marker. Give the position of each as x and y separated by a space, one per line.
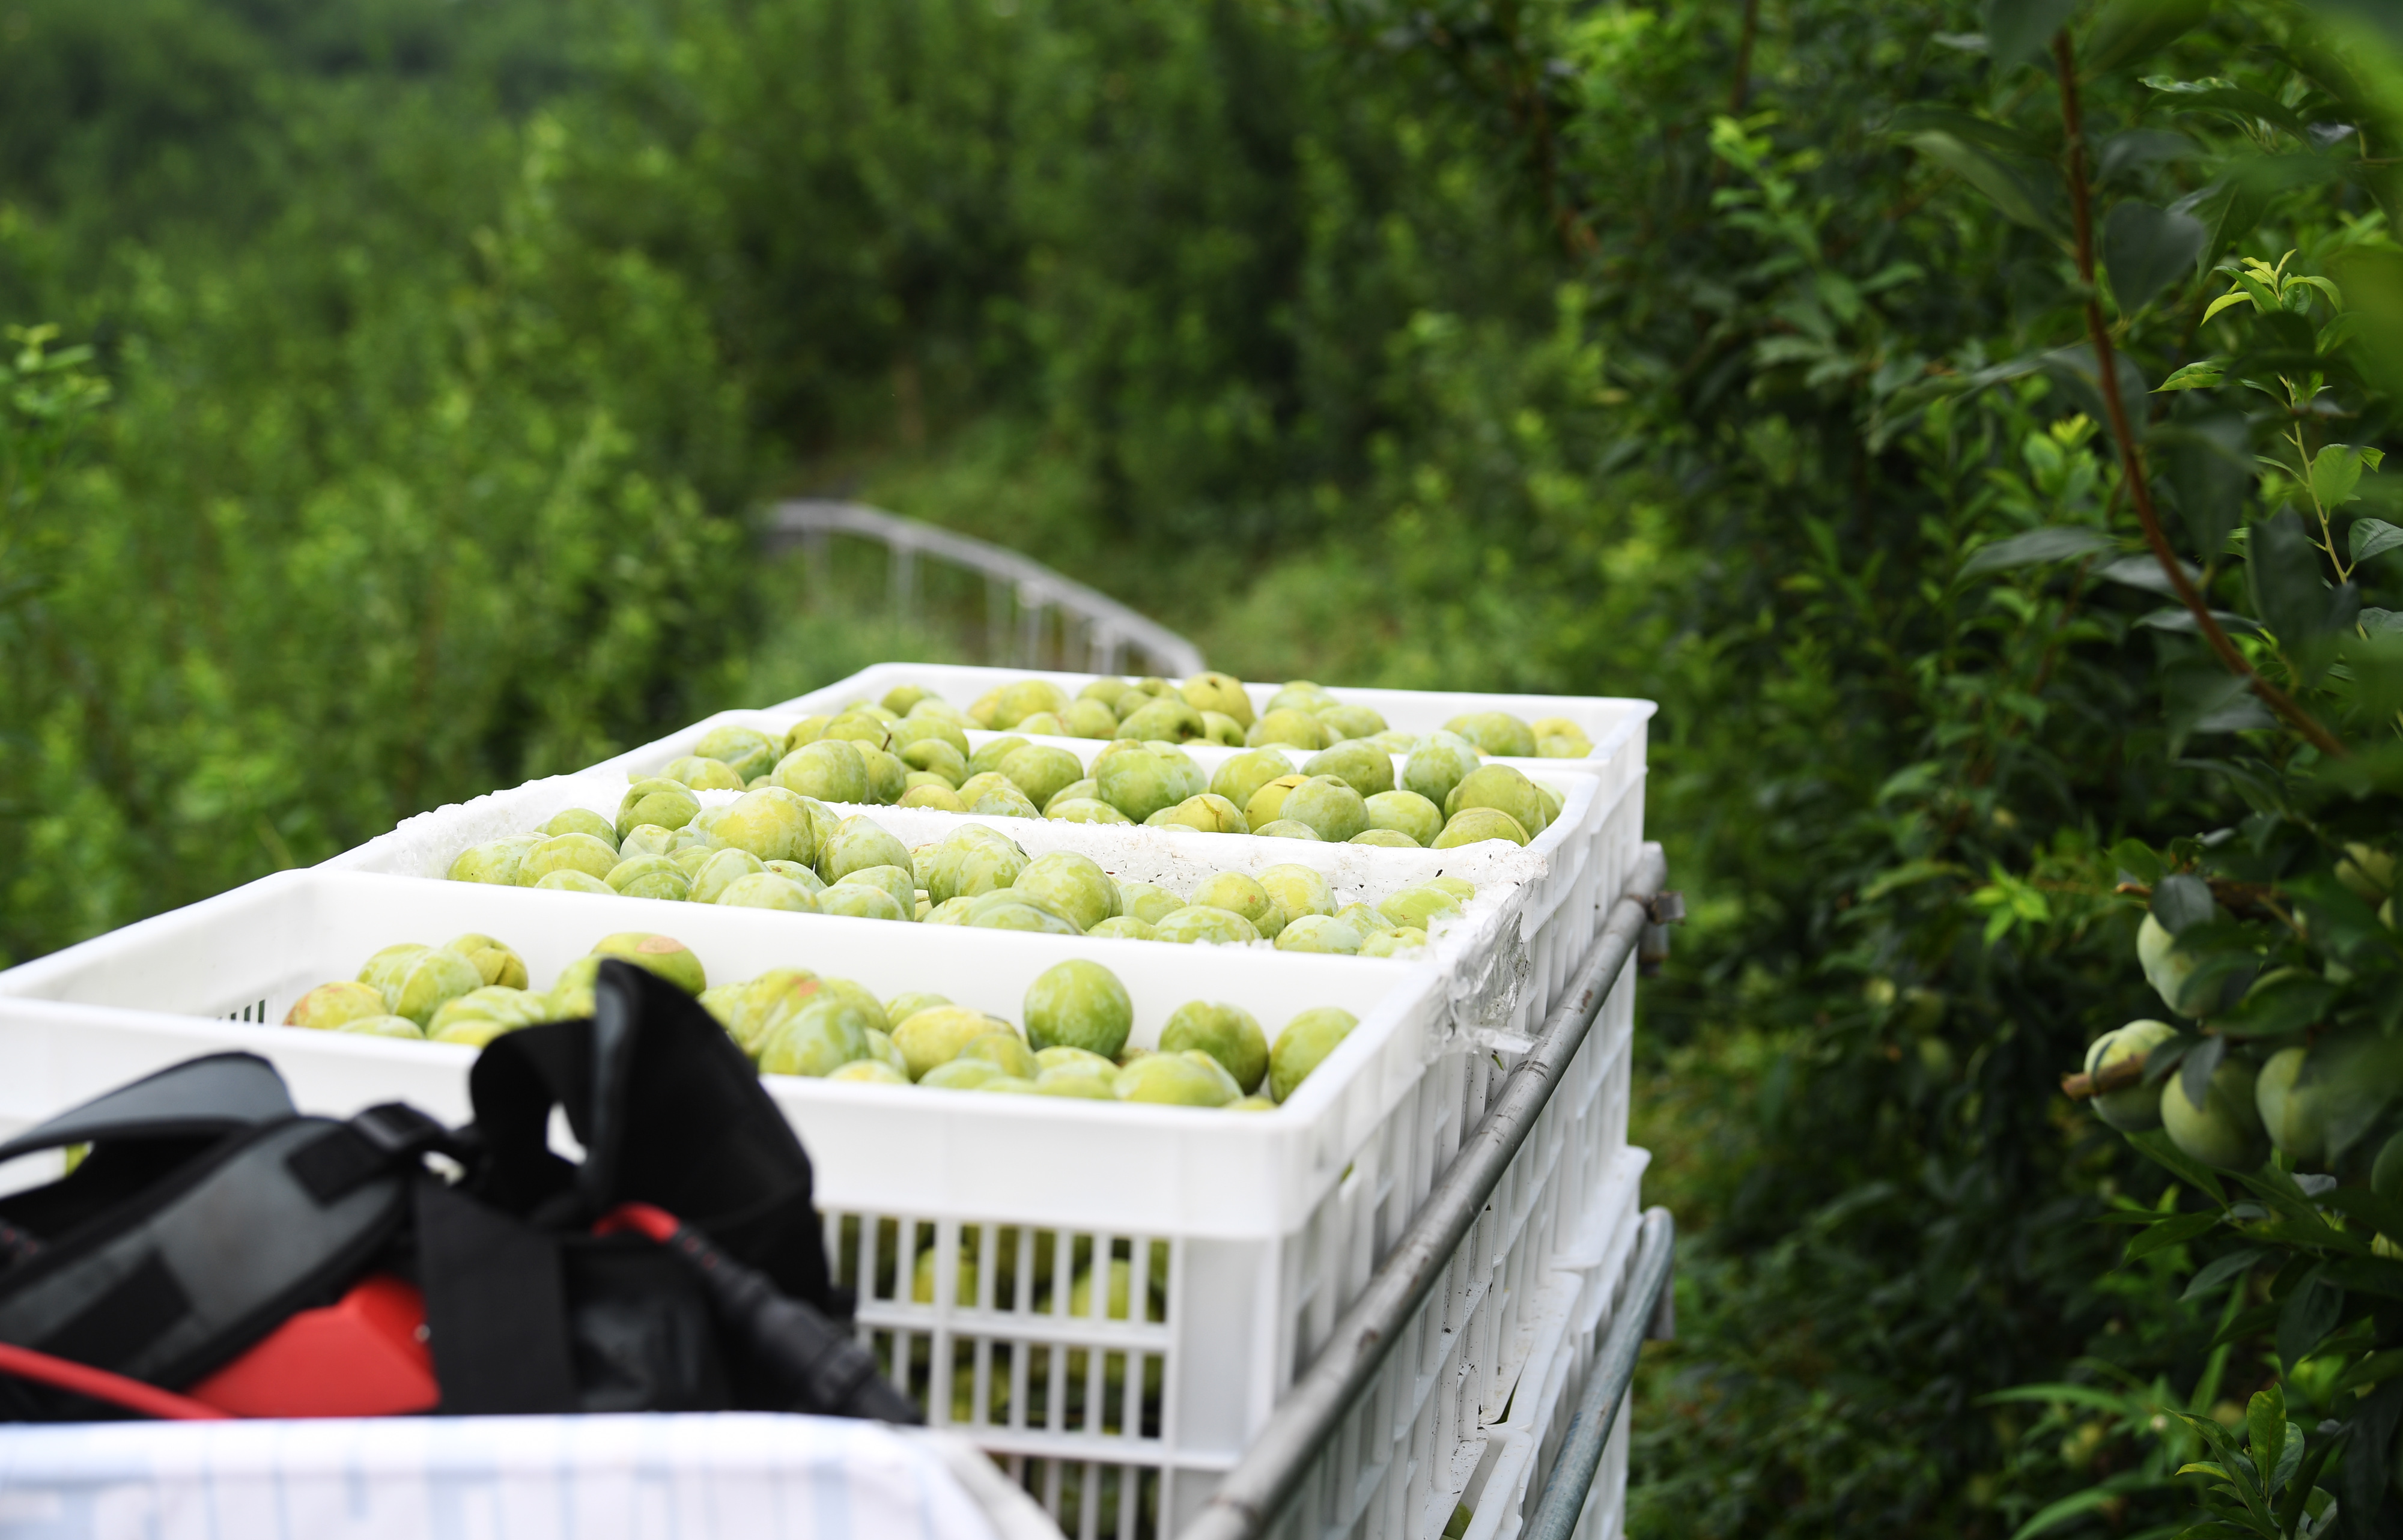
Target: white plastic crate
1258 1227
1505 961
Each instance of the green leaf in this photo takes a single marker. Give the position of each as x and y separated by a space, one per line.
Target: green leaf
2146 249
2336 471
2206 462
2353 1075
2369 1370
2219 1271
2373 537
2291 595
2265 1427
2129 32
2058 543
2173 1232
2182 900
2019 30
2380 1214
2224 99
2179 619
2379 1275
2309 1313
2053 1513
2003 187
2201 374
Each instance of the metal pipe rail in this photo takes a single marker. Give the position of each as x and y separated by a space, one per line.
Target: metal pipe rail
1254 1494
1112 633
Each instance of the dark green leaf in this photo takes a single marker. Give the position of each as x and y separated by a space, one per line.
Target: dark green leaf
2352 1076
2125 152
2309 1313
2221 99
2382 1215
2016 31
2379 1275
2056 543
2143 571
2370 1371
2374 537
2248 1322
2369 1443
2227 208
2129 32
2219 1271
1970 129
2138 860
2182 900
2201 1063
2207 462
2174 1230
2292 596
2265 1427
2178 618
2281 1005
2072 369
2146 249
2020 199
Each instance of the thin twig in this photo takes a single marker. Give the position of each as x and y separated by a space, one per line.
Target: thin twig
2132 459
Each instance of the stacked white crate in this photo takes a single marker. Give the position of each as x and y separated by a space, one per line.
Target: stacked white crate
1270 1223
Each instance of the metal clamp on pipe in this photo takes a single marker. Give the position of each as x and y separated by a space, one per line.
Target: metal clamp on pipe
1255 1491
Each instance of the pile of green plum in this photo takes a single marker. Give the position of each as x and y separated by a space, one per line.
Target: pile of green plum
795 1021
774 849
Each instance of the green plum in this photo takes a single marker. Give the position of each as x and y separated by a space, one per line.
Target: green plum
382 1026
1165 720
815 1040
1005 1051
663 955
688 859
1241 894
1209 814
1475 825
1363 767
745 751
909 1003
1225 731
1460 888
1304 1045
1506 789
571 992
438 976
1560 730
494 961
1419 906
2294 1111
1123 927
656 800
2167 968
911 731
987 759
587 854
859 728
572 882
1041 725
829 771
808 729
1246 773
1394 943
329 1005
1201 923
974 860
1328 806
901 700
2131 1109
872 1071
1148 903
1252 1104
509 1008
1059 1056
936 758
1319 933
1016 703
887 776
1220 692
499 862
645 839
941 798
1000 799
1297 890
1009 1084
1267 804
1042 772
1072 883
1441 761
1406 812
1086 787
1384 838
1084 809
1177 1079
760 1002
1342 724
1495 732
1229 1035
935 1035
1089 719
807 876
1010 910
960 1075
861 901
1285 829
651 877
880 1049
580 821
895 881
1284 725
1137 784
1302 695
1366 919
703 774
768 890
2224 1131
1078 1004
860 843
1082 1084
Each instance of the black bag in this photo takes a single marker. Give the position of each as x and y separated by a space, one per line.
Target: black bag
208 1212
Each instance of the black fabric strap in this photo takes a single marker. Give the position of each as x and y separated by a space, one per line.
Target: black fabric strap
495 1308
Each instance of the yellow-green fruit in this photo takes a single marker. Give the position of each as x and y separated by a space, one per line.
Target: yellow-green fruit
329 1005
472 1032
1363 767
747 753
2226 1131
1296 890
909 733
1000 798
873 1072
1225 731
1177 1079
1286 828
1042 772
651 877
1072 883
1460 888
1366 919
1089 719
802 876
1252 1104
1081 1084
892 881
1321 933
1123 927
861 901
1495 732
1475 825
768 890
1441 761
703 774
880 1049
808 729
1302 695
941 798
1394 943
933 757
1384 838
1202 922
1240 778
2295 1115
1166 720
1328 806
1294 729
887 776
1505 789
1014 703
1084 809
1242 895
1267 803
1401 743
656 800
1418 906
1078 1004
1344 723
1147 903
947 785
771 823
498 862
937 1034
758 1005
494 961
975 860
382 1026
1138 784
960 1075
860 843
2166 968
571 992
1208 814
646 839
2133 1108
688 859
815 1040
1559 727
1005 1051
1406 812
1228 1033
384 971
1304 1045
438 976
1060 1057
583 853
721 870
1011 1085
1220 692
580 821
508 1007
829 769
663 955
858 728
574 882
901 700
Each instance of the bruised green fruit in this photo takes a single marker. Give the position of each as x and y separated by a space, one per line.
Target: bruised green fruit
493 960
650 877
1202 922
580 821
646 839
1505 789
1418 906
1220 692
746 751
703 774
1304 1045
1363 767
1078 1004
1394 943
573 882
2131 1109
498 862
2294 1110
1294 729
437 975
2226 1129
587 854
1475 825
860 901
829 769
1241 777
768 890
937 1034
1148 903
887 777
868 1071
1228 1033
656 800
1072 883
663 955
1285 829
1406 812
1177 1079
1042 772
2166 968
859 844
1296 890
1089 719
329 1005
1207 813
1328 806
816 1040
382 1026
1242 895
1005 1051
1267 804
1320 933
893 882
1344 723
1495 732
1441 761
1138 784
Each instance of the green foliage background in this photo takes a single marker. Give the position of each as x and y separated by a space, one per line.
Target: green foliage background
438 352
